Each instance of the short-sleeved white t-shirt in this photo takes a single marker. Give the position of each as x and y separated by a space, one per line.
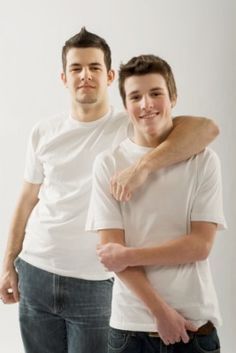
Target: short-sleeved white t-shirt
161 210
60 157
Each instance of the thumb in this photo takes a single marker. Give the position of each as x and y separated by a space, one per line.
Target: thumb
190 327
16 293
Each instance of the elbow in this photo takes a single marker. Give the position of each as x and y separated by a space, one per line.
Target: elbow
204 252
213 128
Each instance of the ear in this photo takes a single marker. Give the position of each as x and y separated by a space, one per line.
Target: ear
173 102
110 76
63 78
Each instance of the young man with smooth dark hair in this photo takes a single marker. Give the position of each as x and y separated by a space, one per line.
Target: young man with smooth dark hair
159 241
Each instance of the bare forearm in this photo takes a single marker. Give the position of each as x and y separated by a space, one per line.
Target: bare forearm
176 252
16 234
133 277
185 249
136 280
27 201
188 137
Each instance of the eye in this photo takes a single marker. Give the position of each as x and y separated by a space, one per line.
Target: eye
76 69
155 94
135 98
95 68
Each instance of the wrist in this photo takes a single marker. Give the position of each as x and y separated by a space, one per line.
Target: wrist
131 256
144 165
161 309
8 262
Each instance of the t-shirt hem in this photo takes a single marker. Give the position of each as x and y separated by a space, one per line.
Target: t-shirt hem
32 180
221 224
104 225
64 273
133 326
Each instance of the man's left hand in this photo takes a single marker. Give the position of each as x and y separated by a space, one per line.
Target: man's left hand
113 256
124 183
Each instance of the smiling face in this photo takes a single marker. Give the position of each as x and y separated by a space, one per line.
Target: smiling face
86 76
149 107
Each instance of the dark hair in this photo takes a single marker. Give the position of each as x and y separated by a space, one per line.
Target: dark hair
146 64
85 39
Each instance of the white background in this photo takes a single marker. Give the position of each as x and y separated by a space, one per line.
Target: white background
196 37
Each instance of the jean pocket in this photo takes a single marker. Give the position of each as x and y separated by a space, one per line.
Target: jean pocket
118 340
207 344
17 263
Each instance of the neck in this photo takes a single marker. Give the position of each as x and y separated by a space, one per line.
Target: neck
89 112
154 140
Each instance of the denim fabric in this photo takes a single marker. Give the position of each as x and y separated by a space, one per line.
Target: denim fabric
62 314
121 341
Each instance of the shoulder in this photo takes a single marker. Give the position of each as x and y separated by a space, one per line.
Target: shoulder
108 160
208 157
208 165
49 124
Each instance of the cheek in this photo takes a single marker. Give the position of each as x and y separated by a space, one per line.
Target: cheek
133 110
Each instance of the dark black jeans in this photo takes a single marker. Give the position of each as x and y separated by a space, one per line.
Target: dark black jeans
121 341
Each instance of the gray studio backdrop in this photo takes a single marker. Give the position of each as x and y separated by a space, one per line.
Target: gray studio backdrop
196 37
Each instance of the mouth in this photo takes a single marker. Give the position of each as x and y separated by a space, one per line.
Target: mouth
86 87
149 116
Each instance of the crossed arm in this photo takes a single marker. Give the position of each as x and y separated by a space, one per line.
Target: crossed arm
187 248
190 135
172 327
128 262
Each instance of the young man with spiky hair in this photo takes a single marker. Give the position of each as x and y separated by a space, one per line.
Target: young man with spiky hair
159 241
64 291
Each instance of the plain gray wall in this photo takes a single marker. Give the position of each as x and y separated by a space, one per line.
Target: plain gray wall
196 37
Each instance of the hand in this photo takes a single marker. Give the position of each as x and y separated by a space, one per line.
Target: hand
123 184
9 292
113 256
173 327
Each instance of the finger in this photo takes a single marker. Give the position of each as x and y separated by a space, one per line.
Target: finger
171 340
114 191
190 327
184 336
166 342
128 196
8 299
123 194
111 185
16 293
119 191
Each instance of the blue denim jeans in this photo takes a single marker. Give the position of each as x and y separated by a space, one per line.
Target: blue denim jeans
62 314
121 341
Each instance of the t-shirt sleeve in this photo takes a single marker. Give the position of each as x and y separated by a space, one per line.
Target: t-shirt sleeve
33 167
104 211
208 200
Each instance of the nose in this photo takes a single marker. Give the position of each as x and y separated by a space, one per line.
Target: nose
146 103
85 74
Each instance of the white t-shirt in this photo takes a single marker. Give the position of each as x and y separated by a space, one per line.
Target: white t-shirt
60 156
162 209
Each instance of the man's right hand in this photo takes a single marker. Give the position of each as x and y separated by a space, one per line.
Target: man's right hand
9 292
173 327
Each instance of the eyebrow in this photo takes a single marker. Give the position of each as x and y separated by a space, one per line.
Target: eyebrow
90 64
151 90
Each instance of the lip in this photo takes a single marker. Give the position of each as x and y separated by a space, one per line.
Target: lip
85 87
149 115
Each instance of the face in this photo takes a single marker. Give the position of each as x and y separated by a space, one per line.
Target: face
149 107
86 76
